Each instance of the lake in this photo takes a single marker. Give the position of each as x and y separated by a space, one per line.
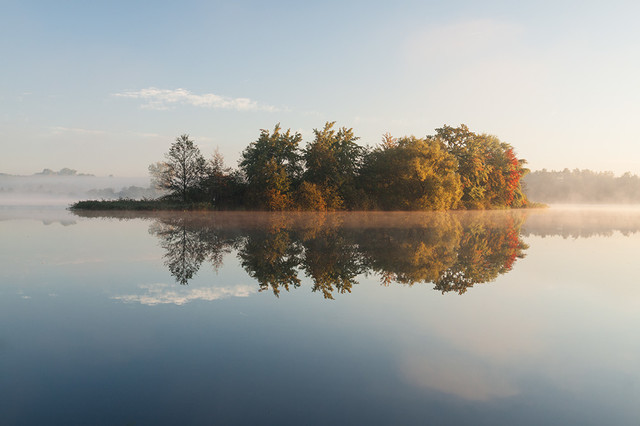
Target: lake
504 317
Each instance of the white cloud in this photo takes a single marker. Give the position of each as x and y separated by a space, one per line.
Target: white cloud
162 99
158 294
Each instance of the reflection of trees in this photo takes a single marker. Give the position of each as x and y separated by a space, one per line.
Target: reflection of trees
272 257
409 255
187 246
583 222
453 251
274 252
331 260
484 252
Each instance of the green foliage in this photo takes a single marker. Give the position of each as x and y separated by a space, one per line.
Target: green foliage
332 162
272 168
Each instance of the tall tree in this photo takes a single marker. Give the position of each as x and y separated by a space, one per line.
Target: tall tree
183 171
272 168
332 163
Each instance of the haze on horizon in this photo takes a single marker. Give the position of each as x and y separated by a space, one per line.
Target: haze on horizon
105 88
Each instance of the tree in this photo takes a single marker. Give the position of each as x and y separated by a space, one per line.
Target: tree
412 174
183 171
222 186
488 168
272 168
332 163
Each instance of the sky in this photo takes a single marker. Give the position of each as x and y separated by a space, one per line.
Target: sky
106 87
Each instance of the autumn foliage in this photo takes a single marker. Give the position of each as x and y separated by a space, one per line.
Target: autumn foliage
452 169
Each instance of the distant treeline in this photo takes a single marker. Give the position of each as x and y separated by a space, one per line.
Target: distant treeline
62 172
48 172
129 192
452 169
582 186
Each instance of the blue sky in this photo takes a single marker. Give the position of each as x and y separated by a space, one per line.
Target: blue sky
105 87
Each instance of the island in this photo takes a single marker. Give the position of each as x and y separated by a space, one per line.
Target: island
454 168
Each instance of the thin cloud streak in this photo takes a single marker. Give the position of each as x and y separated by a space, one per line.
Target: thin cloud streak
163 99
60 130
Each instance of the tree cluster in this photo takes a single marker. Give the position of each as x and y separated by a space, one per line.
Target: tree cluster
452 169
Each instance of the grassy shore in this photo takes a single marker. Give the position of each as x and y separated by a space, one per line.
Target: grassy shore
140 205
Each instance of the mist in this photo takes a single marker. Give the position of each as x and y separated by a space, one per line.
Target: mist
43 189
581 187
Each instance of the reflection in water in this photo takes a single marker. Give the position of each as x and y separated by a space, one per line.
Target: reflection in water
187 245
453 251
559 347
331 260
159 294
48 215
271 256
584 221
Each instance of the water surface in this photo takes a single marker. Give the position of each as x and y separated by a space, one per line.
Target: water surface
379 318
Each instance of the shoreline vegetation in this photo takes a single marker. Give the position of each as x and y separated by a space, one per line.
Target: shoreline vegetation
454 169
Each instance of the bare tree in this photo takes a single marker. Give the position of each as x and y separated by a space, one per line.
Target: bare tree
183 170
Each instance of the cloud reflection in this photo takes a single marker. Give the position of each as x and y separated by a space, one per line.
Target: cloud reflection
164 294
463 377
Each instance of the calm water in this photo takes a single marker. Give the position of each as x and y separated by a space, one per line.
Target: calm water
473 318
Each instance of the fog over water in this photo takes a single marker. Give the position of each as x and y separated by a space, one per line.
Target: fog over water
42 190
567 220
583 220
